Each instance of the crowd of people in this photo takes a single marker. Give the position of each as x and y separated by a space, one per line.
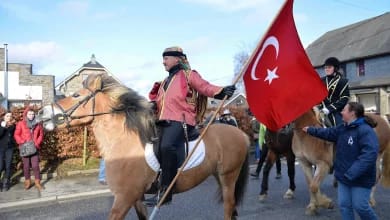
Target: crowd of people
14 135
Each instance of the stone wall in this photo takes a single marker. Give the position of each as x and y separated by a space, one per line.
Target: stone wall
27 79
74 84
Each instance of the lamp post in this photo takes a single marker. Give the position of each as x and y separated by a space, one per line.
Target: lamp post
3 99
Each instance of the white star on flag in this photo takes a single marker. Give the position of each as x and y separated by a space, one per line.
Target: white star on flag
271 75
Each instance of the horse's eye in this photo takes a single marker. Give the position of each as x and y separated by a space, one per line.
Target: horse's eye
75 95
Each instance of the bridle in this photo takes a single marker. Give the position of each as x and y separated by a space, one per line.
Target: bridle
66 115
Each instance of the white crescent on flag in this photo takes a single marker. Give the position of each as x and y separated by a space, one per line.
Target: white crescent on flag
270 41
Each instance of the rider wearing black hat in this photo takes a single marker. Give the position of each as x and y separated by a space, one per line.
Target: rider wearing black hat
338 91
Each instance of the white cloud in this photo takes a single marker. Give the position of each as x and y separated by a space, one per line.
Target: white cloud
232 5
74 7
22 11
33 52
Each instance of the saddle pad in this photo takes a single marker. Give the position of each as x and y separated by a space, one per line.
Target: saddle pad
196 158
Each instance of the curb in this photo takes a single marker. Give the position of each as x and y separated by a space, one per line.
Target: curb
58 198
45 176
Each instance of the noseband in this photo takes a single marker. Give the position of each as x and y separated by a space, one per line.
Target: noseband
67 116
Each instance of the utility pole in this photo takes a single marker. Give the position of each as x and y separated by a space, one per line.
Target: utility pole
4 98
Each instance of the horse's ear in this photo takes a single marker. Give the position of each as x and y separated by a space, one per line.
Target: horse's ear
93 82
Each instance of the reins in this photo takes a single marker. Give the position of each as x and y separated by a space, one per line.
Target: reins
67 116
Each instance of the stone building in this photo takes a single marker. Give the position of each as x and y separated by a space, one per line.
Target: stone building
74 81
23 85
363 49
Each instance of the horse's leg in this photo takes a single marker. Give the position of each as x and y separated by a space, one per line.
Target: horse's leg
141 209
322 169
122 204
378 177
228 181
271 157
291 175
307 168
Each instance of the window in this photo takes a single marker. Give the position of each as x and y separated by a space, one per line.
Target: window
360 71
343 70
84 76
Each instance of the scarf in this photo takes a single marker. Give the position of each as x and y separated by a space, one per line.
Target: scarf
31 123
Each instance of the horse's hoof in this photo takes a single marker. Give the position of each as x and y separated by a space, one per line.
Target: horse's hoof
289 194
331 205
311 210
262 197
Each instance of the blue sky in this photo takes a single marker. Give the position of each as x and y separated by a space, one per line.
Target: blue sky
128 37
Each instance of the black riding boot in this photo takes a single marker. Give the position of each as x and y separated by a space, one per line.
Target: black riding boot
169 170
168 173
6 184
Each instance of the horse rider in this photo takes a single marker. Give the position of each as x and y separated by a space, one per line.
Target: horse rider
338 91
176 109
228 118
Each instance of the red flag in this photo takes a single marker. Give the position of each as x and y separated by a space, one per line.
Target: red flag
280 81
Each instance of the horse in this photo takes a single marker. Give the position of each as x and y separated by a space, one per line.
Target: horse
123 124
312 151
279 143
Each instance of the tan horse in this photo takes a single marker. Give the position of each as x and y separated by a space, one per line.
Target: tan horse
122 123
312 151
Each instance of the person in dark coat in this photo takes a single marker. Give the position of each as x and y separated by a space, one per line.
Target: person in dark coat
338 91
357 149
7 145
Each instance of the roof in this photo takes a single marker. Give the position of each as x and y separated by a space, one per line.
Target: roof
92 64
367 38
232 99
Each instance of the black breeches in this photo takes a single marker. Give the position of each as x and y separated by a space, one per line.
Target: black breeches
171 150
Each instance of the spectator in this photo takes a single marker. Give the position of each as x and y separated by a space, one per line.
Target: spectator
255 125
7 145
102 172
357 149
263 155
26 130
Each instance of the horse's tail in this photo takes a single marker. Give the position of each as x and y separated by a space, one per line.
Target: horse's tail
242 181
385 179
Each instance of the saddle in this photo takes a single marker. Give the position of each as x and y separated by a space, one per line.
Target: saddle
192 135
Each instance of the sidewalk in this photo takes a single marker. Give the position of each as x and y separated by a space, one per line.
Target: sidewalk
78 184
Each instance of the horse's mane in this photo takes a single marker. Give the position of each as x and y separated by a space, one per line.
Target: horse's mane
139 116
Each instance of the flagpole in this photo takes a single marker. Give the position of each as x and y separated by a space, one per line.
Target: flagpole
243 70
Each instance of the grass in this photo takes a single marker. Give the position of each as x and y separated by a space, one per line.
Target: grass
61 167
77 164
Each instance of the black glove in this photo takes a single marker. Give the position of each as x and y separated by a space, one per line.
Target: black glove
226 91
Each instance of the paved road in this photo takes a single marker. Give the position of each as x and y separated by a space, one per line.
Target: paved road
200 203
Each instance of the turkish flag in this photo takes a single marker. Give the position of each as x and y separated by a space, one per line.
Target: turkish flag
281 83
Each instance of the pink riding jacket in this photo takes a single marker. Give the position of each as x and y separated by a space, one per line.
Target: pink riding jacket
172 103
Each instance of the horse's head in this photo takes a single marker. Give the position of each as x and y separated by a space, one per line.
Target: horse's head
310 118
100 95
79 108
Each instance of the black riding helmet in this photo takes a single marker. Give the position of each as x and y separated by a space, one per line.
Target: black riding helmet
332 61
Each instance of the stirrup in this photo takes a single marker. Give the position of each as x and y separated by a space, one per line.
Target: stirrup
152 201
